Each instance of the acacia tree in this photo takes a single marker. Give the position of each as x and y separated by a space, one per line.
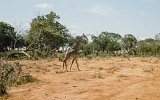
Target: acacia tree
107 41
113 43
8 36
46 30
149 47
129 43
95 44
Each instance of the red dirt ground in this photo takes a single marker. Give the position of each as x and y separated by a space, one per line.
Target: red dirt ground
99 79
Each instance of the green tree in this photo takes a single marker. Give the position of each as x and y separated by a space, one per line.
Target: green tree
129 43
46 30
107 41
7 36
149 47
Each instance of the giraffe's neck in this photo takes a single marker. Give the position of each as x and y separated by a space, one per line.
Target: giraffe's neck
77 45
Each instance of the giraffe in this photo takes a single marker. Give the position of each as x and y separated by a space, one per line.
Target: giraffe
73 52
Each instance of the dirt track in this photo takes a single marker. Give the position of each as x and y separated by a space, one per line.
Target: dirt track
99 79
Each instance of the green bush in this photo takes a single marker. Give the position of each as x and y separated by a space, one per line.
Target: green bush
12 75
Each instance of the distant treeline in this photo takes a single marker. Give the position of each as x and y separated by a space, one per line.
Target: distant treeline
47 35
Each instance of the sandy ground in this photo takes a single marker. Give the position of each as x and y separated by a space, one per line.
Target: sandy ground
99 79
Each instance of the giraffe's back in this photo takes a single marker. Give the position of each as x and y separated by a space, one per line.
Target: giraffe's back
71 52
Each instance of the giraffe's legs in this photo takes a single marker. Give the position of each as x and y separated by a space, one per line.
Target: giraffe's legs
68 55
65 64
75 59
77 64
72 63
66 67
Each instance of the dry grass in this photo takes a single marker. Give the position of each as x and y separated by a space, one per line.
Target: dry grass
148 69
154 60
112 69
97 74
99 79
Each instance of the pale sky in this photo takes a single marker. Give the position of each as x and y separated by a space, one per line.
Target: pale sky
138 17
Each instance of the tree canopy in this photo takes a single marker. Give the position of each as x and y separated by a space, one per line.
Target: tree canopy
8 36
46 30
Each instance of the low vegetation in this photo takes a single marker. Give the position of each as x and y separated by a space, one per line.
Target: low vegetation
12 75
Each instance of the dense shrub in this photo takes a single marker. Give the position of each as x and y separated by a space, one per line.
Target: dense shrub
12 75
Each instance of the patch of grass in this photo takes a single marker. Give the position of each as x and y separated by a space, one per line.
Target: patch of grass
61 58
3 97
153 60
49 65
97 74
148 69
101 68
26 78
112 69
57 69
122 77
89 57
82 79
144 60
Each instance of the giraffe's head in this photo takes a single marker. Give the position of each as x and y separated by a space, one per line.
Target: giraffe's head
84 37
